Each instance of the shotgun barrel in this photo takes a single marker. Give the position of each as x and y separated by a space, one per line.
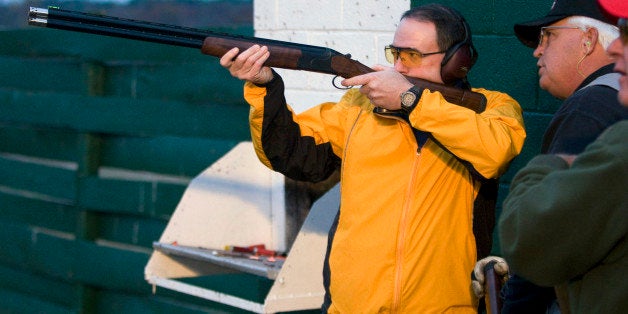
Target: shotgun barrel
309 58
141 30
116 27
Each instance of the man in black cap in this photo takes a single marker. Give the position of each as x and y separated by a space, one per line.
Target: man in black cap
570 43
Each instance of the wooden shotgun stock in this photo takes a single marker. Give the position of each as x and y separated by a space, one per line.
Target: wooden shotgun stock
493 287
283 54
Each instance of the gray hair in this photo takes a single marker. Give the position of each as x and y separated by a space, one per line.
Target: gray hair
606 32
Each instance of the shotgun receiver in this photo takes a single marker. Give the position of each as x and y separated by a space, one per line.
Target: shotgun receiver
283 54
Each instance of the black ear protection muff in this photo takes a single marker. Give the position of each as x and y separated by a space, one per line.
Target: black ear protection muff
459 58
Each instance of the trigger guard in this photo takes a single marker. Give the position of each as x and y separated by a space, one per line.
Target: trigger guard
333 82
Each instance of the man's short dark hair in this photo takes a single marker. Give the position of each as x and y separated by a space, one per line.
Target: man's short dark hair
449 23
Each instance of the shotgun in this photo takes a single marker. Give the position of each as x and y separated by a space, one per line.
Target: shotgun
283 54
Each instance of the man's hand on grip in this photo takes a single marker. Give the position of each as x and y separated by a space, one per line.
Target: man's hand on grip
478 279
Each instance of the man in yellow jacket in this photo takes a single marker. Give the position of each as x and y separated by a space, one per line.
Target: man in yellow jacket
403 239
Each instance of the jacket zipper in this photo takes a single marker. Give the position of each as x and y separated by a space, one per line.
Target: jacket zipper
402 235
344 153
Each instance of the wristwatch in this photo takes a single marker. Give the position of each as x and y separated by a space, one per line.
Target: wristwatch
410 98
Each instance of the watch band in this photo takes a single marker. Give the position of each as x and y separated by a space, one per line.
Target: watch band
405 99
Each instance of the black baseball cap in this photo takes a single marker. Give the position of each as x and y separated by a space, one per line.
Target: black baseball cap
528 32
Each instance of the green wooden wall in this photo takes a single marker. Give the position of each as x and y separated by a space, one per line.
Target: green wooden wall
100 136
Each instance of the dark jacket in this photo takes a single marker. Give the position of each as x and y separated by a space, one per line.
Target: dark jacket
564 224
581 118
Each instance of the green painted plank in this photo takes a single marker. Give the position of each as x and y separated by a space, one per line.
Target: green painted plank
110 267
42 143
61 256
58 186
22 209
54 181
193 82
179 156
153 199
33 285
124 116
16 242
12 302
134 229
131 229
37 74
199 82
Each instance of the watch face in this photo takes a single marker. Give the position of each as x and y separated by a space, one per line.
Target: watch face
408 98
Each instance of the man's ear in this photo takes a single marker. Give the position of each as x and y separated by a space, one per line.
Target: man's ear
590 40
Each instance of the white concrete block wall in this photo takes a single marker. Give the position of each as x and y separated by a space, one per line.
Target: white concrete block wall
359 27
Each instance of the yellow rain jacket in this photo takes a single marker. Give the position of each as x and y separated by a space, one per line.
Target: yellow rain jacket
403 240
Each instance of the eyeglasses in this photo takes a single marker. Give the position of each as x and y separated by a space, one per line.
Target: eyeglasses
546 31
622 24
409 57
